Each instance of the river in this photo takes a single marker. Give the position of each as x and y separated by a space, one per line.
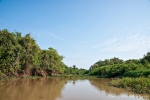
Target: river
70 88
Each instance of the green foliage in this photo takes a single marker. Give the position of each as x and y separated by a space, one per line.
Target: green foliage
74 71
120 68
21 55
139 85
2 75
138 73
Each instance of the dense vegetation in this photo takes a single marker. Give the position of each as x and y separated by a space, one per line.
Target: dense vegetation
21 56
116 67
139 85
134 73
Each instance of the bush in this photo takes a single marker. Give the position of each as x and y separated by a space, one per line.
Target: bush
137 73
139 85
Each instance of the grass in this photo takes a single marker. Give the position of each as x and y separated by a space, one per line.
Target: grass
138 85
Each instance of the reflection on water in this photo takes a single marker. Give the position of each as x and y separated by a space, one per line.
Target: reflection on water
70 88
32 89
101 85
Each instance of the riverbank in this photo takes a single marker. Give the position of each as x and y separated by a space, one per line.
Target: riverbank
138 85
54 76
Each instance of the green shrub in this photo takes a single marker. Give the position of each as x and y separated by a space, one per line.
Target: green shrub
137 73
139 85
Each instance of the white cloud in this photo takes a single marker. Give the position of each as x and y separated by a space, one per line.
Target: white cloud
136 42
58 38
108 42
54 36
47 33
96 46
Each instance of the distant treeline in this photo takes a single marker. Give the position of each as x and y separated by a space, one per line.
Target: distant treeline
116 67
21 56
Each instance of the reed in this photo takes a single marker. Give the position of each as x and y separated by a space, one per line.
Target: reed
139 85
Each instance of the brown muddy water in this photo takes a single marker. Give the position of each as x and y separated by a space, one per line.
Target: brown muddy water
70 88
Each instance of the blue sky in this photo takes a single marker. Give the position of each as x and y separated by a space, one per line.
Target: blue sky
84 31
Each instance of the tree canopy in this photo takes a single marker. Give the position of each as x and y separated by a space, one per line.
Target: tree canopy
21 56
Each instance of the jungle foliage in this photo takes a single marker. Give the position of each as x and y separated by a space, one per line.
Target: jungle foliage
21 56
116 67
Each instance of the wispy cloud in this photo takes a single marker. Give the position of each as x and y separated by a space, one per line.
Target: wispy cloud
108 42
47 33
96 46
58 38
55 37
136 42
130 43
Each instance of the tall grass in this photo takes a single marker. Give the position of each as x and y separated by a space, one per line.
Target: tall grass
139 85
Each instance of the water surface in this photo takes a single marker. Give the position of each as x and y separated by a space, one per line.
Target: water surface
70 88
